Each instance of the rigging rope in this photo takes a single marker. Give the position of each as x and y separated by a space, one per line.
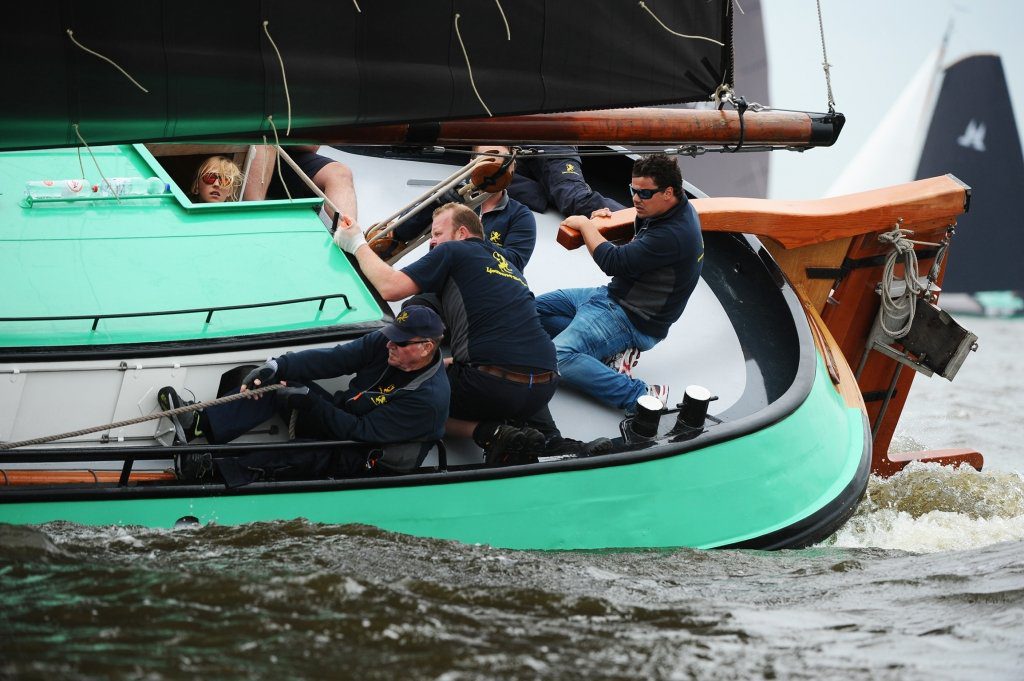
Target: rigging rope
469 68
284 78
95 162
248 394
71 34
277 160
825 65
644 6
508 31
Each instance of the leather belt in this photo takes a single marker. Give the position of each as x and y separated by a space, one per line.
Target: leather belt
515 376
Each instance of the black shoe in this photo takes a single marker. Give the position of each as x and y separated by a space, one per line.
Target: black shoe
511 446
186 426
567 447
194 467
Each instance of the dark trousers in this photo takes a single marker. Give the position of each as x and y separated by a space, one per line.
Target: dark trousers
556 177
228 421
477 396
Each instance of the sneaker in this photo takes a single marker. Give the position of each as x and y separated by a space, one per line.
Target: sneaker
660 392
511 446
567 447
194 467
186 426
624 362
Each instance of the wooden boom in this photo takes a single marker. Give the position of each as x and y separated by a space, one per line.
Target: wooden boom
611 126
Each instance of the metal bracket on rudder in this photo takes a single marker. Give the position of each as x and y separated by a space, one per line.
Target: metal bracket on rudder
910 327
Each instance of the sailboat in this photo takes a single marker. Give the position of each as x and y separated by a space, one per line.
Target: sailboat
109 298
963 122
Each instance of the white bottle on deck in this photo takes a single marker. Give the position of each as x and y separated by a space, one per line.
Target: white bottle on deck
58 189
132 186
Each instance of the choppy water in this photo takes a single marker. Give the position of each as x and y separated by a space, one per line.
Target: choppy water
925 582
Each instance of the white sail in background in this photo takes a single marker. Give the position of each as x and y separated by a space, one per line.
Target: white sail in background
891 154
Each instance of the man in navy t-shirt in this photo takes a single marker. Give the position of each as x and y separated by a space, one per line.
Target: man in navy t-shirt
652 278
507 223
503 361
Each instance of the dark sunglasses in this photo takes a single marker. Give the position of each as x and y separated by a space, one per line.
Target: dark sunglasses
404 344
215 178
644 194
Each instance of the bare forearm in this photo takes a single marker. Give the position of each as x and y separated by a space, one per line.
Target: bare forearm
389 282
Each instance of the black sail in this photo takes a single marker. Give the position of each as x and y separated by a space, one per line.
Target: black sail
211 70
973 135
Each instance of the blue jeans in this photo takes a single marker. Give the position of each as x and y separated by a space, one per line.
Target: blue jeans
587 327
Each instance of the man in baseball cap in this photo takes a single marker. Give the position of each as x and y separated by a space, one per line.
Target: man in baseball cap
399 391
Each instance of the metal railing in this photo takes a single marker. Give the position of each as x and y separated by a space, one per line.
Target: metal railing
208 310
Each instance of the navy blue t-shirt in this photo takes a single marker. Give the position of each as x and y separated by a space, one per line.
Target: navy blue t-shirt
510 225
487 305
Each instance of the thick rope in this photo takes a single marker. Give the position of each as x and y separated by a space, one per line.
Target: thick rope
284 78
71 34
248 394
906 303
644 6
469 67
824 64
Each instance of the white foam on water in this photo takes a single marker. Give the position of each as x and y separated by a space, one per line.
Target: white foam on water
927 508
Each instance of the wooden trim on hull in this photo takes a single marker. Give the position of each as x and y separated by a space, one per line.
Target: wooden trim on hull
19 477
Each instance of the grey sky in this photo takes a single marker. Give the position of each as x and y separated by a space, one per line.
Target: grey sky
875 47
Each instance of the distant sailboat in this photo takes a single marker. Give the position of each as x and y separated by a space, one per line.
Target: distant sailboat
966 126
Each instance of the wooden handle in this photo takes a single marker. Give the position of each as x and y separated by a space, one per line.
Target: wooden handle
801 223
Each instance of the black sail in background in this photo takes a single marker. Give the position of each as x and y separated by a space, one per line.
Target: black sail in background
211 71
973 135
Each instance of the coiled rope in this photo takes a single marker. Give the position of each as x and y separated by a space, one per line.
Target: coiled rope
248 394
896 307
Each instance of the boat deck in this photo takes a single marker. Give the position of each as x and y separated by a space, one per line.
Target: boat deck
93 274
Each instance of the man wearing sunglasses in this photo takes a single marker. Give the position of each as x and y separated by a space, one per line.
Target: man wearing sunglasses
652 278
399 392
503 362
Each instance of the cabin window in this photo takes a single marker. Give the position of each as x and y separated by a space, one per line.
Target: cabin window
181 161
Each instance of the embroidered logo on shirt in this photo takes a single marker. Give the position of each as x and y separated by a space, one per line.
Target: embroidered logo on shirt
570 169
387 389
504 269
380 399
495 237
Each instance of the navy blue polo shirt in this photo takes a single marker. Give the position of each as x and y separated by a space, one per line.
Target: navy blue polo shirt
655 273
487 305
512 227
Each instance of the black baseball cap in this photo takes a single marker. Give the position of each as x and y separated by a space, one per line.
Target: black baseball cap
413 321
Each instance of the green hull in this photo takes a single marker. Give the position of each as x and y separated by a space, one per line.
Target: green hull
766 483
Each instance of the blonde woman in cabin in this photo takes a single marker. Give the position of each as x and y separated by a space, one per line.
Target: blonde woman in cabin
217 180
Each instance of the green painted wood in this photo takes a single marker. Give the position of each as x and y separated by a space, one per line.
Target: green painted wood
83 258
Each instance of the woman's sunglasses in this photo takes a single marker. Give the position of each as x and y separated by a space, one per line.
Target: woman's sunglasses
644 194
215 178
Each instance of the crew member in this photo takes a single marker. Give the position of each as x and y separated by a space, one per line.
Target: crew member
652 278
503 362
